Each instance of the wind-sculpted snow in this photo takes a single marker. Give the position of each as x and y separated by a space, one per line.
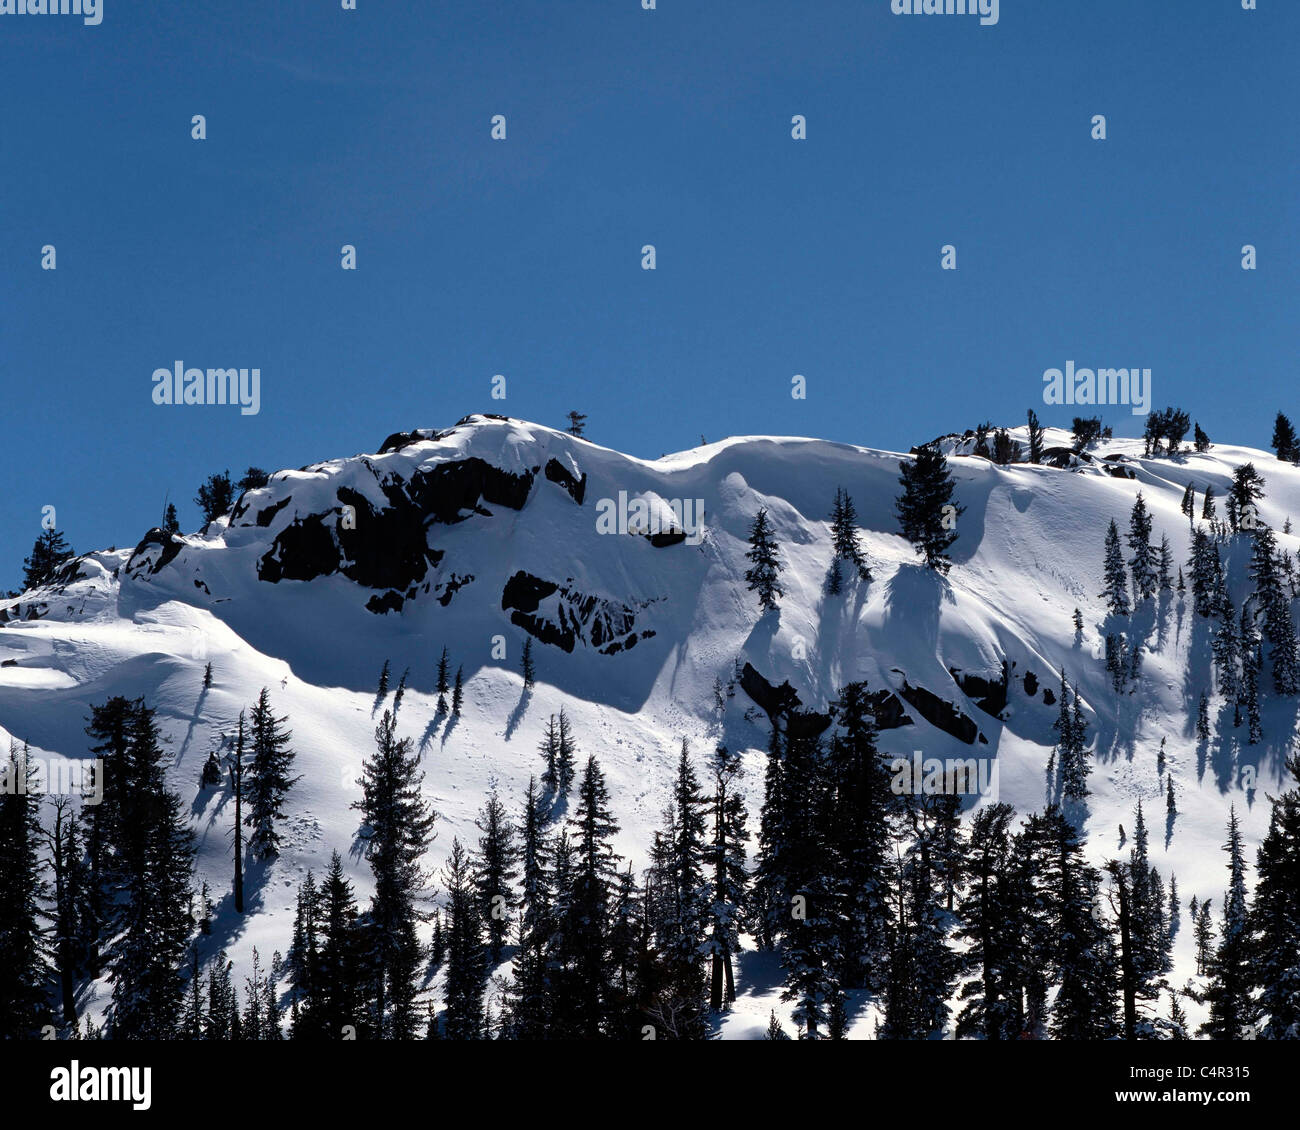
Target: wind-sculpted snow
481 535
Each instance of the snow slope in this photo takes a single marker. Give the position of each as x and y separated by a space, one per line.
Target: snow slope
472 536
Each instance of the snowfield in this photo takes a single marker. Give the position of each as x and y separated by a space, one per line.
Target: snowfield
475 536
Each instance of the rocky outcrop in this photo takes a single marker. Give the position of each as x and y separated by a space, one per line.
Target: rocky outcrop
564 617
156 549
942 714
557 472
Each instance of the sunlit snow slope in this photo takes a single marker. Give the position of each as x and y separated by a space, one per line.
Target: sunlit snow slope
479 535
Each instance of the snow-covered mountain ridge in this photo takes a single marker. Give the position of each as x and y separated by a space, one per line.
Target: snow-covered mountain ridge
479 535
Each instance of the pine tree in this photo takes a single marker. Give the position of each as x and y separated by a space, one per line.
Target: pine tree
1203 718
765 566
24 963
1232 1008
1204 932
1188 505
443 685
207 677
466 957
1204 567
65 856
171 523
237 788
1201 440
550 750
494 873
1142 563
1250 664
844 537
724 860
155 865
530 1002
458 693
1115 591
566 755
1208 509
925 509
398 827
383 681
336 1003
577 423
400 692
222 1005
1275 917
1284 440
1035 438
1275 602
526 668
49 554
1166 561
269 780
1243 498
583 991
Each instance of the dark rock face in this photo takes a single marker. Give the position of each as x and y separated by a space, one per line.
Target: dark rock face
387 547
399 440
264 516
888 709
1031 684
557 472
303 550
775 701
452 586
664 538
1120 472
170 543
604 624
386 602
941 714
1049 697
990 695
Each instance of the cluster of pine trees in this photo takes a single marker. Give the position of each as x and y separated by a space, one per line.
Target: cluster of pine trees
1237 636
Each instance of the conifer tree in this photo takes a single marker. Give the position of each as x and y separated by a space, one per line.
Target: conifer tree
584 991
466 957
398 827
1275 917
1035 438
550 750
336 1005
458 693
383 681
24 963
50 552
400 692
494 873
844 536
565 755
925 509
1200 440
1232 1008
269 779
724 859
1203 718
1142 563
443 684
1208 509
1115 591
1166 564
1250 665
1284 440
765 566
526 668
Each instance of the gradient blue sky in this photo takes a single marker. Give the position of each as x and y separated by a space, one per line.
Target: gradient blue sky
625 127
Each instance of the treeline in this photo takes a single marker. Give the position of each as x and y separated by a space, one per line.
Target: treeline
993 927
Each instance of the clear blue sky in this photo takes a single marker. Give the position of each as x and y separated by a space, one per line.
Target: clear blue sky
625 127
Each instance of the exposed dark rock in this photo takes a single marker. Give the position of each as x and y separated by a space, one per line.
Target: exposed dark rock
452 586
385 602
990 695
602 623
775 701
303 550
171 545
557 472
398 440
265 515
1120 472
888 710
668 537
1031 684
941 714
445 491
1049 698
